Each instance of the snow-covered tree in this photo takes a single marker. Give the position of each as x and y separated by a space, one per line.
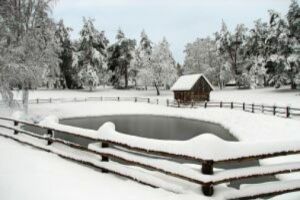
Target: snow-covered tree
120 55
202 57
293 18
141 57
231 48
27 45
69 73
279 49
91 57
161 69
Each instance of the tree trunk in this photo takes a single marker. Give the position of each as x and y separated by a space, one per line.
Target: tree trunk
25 98
126 77
157 89
293 85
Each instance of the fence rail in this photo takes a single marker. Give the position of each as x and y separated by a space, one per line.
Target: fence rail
164 163
281 111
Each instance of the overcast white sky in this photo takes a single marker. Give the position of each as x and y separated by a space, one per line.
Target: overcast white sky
180 21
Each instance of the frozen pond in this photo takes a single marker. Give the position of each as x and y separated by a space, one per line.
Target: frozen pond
157 127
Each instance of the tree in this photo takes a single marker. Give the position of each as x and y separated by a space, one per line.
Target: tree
90 59
202 57
28 46
256 54
161 69
279 49
231 48
141 57
70 75
293 18
120 55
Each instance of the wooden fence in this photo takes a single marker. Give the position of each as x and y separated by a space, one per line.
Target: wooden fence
113 159
281 111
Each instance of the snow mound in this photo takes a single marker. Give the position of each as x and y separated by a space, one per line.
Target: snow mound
49 120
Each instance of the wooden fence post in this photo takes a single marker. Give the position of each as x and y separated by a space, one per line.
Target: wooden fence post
221 104
205 104
37 101
262 108
101 98
244 106
157 100
16 124
118 98
178 102
167 102
104 158
148 100
288 113
50 100
207 168
253 108
231 105
50 135
135 99
192 103
274 110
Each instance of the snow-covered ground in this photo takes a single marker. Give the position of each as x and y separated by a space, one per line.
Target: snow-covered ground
269 96
30 174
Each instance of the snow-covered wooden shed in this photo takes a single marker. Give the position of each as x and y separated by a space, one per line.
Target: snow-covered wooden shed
193 87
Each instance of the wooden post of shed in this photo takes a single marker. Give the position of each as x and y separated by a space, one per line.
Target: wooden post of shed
167 102
207 169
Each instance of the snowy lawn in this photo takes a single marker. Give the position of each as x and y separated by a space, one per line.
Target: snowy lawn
82 181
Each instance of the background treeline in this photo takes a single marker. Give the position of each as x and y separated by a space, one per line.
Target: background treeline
266 55
36 51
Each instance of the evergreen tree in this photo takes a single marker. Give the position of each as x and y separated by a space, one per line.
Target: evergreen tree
293 18
279 49
120 55
70 74
90 59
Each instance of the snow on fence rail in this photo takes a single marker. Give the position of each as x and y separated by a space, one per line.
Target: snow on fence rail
161 157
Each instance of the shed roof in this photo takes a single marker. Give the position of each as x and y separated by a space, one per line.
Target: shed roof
186 82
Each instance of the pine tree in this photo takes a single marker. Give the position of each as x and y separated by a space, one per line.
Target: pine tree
120 55
293 18
70 75
90 59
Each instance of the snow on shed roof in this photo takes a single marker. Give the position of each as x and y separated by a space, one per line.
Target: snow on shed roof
186 82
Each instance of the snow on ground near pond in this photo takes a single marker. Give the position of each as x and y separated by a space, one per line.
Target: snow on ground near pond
269 96
40 175
245 126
